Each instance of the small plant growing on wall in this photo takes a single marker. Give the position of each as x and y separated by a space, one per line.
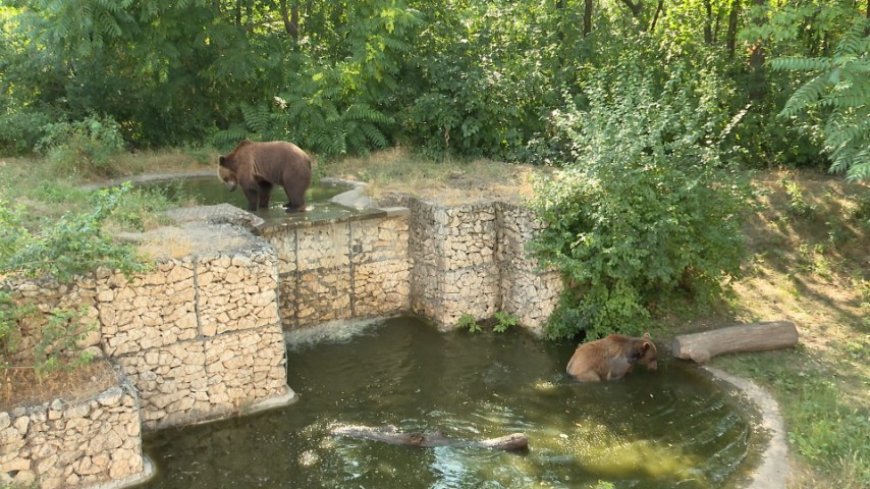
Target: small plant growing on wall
504 321
467 321
501 322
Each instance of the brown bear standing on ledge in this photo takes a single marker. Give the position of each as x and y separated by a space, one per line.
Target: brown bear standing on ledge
256 167
611 358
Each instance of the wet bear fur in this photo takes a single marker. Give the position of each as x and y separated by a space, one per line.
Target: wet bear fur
612 358
257 167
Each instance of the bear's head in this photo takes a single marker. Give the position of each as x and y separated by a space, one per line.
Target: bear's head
644 352
227 173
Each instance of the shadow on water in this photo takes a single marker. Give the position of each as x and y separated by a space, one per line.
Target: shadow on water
667 429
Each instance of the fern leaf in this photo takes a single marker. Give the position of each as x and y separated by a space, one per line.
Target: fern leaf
256 117
801 64
807 94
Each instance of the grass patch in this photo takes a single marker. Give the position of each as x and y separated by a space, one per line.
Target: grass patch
809 265
450 182
826 427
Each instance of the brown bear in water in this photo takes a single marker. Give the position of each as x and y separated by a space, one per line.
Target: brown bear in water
612 358
256 167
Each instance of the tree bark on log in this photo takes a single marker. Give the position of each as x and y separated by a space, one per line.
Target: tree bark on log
389 434
701 347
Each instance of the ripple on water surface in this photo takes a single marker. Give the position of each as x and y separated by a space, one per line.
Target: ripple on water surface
665 429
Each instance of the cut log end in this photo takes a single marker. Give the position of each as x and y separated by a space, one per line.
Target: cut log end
701 347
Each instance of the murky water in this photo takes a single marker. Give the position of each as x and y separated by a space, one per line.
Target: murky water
665 429
209 190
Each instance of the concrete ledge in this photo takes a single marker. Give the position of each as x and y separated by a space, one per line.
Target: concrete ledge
282 400
774 469
147 473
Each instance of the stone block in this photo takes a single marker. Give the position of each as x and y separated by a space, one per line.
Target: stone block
323 246
323 295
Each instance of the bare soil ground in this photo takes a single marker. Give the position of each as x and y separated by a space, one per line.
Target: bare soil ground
23 387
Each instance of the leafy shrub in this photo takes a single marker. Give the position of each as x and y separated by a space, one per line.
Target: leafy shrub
73 244
643 208
861 213
21 130
315 116
797 204
59 338
474 107
83 147
841 89
57 344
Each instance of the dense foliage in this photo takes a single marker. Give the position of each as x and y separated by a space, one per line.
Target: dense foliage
646 105
644 208
454 77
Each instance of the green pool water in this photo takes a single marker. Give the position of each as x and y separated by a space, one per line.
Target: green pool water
667 429
209 190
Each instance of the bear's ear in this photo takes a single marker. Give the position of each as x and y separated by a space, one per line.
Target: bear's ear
222 161
646 335
645 346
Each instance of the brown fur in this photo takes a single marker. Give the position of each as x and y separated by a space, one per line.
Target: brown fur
256 167
612 358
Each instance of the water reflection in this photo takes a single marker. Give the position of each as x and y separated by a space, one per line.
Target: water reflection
209 190
659 430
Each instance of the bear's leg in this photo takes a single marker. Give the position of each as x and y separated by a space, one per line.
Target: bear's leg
253 198
588 376
265 194
295 190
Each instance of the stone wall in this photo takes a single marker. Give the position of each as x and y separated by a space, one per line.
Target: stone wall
198 336
455 268
76 444
528 292
435 261
341 269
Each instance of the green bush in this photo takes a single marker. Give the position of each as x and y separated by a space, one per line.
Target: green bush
643 208
73 244
84 147
21 130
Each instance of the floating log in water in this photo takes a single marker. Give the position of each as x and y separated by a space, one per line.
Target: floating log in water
389 434
701 347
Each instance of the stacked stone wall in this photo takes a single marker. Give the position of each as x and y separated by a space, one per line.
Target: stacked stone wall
334 270
455 269
435 261
73 444
199 337
527 291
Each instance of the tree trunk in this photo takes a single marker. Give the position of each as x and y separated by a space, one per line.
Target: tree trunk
757 88
635 8
731 36
660 11
587 17
708 22
701 347
291 20
389 434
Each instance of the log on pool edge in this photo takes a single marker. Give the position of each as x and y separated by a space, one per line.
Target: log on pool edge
389 434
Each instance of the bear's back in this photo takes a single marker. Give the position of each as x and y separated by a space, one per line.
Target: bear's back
272 159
